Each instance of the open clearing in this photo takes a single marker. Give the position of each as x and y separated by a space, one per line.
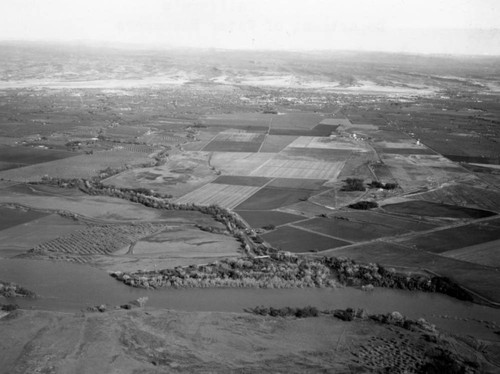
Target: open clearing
296 240
225 195
416 171
181 174
184 242
336 198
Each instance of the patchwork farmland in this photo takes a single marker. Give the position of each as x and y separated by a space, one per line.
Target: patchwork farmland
225 195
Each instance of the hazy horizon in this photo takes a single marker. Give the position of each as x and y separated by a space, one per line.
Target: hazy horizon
461 27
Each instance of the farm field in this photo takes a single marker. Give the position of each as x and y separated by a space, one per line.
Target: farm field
243 121
182 173
9 165
83 166
482 254
271 137
335 198
357 230
16 240
405 150
225 195
31 155
327 143
336 122
10 216
301 184
463 195
296 120
318 154
262 218
434 209
272 198
239 163
479 278
79 246
296 240
290 168
242 180
307 208
97 207
231 146
239 136
455 237
276 143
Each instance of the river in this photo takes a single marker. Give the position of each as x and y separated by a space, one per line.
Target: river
70 287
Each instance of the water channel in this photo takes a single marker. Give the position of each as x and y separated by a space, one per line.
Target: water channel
70 287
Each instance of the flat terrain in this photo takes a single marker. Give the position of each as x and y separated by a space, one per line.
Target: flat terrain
159 341
296 240
272 137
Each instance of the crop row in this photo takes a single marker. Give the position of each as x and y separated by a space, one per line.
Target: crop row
225 195
100 240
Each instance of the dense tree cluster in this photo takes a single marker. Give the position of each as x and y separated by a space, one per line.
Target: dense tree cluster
385 186
308 311
354 184
9 289
260 273
363 205
282 270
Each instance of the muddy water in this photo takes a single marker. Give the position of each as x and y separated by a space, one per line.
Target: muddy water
69 287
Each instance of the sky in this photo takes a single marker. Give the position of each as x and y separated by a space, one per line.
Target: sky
415 26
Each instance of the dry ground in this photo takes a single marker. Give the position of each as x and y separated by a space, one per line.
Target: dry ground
163 341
